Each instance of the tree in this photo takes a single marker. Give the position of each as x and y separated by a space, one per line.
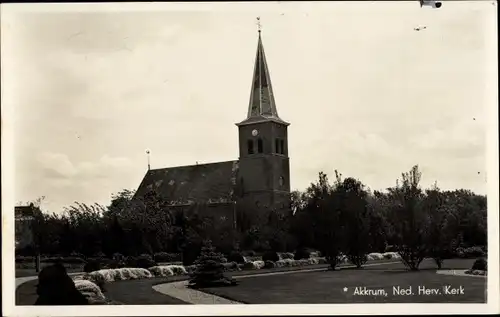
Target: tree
440 234
408 222
209 269
322 208
355 219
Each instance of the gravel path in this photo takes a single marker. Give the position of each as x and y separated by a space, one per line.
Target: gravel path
458 273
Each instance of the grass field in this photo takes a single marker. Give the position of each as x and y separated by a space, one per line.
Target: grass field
328 287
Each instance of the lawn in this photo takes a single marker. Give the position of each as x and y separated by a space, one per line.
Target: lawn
317 287
28 268
324 287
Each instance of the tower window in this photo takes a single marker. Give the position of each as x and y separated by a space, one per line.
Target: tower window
277 146
250 146
260 147
282 146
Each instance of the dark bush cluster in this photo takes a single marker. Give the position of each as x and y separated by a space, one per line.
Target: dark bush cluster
143 261
270 256
68 260
236 256
249 253
470 252
302 253
92 265
167 257
269 264
480 264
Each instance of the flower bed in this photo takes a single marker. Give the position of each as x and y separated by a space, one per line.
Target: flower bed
90 290
169 270
111 275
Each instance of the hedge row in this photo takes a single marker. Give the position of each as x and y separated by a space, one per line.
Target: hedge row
146 260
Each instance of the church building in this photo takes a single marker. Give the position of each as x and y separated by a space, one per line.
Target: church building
259 179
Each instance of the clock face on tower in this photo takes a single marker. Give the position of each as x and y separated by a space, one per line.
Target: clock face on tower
255 132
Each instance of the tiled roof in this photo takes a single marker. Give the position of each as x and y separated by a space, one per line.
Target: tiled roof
262 106
213 182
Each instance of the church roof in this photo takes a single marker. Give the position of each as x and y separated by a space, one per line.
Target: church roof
212 182
262 107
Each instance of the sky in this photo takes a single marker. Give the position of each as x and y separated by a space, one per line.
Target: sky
91 89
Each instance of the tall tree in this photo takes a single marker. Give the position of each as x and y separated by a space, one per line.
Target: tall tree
408 220
355 219
440 234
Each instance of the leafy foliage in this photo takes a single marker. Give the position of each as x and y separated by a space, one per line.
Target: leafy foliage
341 219
210 269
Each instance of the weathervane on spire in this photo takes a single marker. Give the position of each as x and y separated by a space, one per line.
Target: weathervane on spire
259 26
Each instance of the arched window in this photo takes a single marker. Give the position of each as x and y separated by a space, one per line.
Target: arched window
250 146
260 147
277 146
282 146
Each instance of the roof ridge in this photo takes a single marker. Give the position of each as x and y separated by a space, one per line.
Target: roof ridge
192 165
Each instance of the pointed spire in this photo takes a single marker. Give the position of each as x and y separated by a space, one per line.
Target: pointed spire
262 106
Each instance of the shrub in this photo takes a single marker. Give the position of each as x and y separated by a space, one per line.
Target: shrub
302 253
230 266
77 255
375 256
315 254
270 256
269 264
480 264
111 275
249 253
248 266
236 257
90 290
286 255
286 263
91 266
168 270
391 248
471 252
67 260
144 261
190 269
357 259
167 257
115 264
118 257
209 269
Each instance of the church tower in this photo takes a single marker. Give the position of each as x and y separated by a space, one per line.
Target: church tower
264 167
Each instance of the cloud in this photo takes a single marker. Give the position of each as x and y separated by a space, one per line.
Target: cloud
58 166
